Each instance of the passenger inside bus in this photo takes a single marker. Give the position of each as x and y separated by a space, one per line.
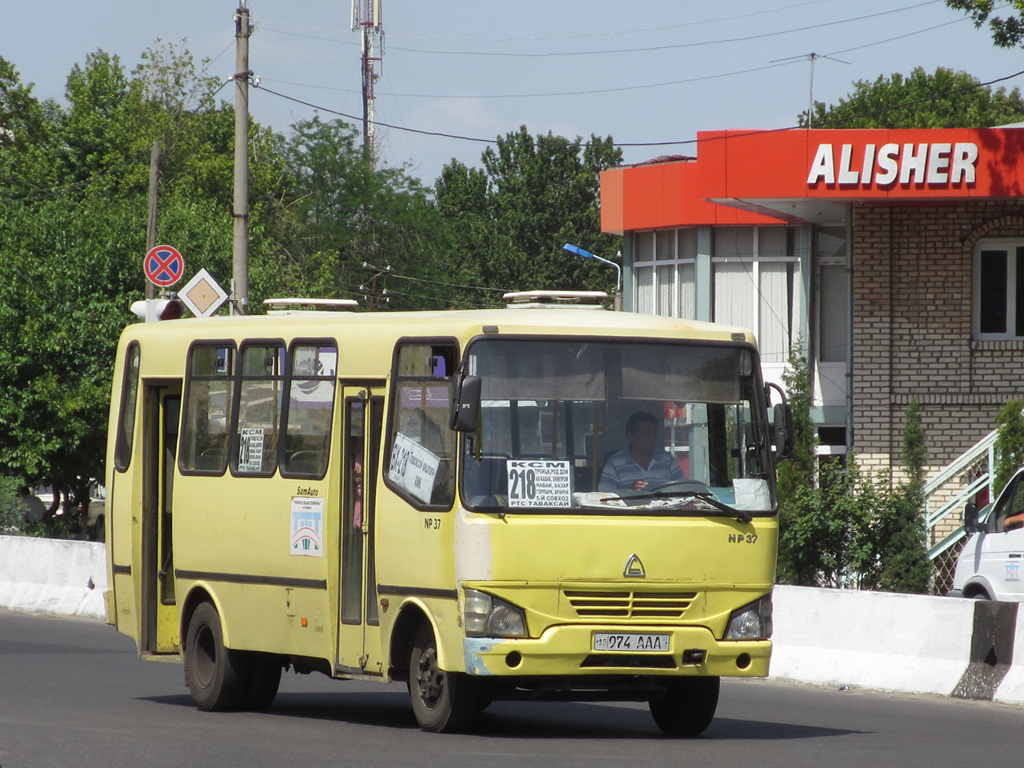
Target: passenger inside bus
642 463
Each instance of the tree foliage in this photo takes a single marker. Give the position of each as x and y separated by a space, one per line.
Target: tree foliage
1009 447
945 99
903 554
74 184
533 195
838 525
1007 31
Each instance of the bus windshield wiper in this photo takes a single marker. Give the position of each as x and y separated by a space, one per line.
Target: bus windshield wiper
678 489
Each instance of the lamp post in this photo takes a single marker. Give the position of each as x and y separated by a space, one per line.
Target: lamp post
617 305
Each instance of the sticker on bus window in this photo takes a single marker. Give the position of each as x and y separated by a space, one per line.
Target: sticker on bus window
250 449
307 526
413 467
539 483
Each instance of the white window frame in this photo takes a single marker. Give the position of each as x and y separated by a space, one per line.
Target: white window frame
1010 245
655 264
755 260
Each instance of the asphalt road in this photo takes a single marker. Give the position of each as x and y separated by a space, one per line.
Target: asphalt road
73 693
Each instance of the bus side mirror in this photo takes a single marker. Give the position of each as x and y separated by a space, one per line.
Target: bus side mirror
783 429
465 407
971 517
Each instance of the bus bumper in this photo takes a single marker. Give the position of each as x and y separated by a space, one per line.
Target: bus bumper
569 650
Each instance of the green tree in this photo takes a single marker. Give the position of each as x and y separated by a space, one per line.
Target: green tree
1009 447
903 552
945 99
71 252
534 194
829 515
1007 31
25 136
799 550
339 212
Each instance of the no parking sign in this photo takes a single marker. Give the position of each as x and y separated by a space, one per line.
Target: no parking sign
163 266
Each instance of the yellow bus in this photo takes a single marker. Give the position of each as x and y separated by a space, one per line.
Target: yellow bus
500 504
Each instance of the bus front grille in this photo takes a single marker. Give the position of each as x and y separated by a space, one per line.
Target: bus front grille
628 604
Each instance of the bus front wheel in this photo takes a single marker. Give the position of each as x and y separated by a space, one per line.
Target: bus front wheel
213 673
443 702
688 705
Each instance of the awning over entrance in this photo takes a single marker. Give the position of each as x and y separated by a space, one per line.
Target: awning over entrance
800 175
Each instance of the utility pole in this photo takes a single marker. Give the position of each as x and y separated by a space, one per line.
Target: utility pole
154 177
366 18
240 209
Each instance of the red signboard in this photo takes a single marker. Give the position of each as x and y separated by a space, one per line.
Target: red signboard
754 170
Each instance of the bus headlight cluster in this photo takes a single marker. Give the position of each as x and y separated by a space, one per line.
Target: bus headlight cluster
751 622
489 616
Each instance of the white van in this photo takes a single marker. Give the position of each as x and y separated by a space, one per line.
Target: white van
991 564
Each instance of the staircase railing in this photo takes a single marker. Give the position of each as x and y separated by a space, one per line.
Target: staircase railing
977 463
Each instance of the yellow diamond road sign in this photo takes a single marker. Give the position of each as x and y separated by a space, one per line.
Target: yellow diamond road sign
202 295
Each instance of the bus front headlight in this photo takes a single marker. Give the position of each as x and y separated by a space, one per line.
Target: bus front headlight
489 616
751 622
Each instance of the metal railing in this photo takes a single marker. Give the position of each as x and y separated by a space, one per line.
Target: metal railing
945 495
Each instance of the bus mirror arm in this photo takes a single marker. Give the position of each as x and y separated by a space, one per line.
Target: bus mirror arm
465 406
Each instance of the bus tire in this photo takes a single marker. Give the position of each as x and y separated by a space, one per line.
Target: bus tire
443 702
263 677
214 674
687 707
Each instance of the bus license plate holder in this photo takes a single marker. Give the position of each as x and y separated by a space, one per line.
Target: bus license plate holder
631 642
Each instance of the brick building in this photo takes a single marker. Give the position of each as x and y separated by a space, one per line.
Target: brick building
895 256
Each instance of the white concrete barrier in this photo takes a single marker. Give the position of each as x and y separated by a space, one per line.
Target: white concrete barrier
52 576
890 642
910 643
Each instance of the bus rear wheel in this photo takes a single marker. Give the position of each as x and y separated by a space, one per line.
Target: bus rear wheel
443 702
214 674
262 679
687 707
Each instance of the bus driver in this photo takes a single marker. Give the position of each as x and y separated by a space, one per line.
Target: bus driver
643 461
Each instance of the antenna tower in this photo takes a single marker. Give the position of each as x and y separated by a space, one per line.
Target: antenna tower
366 19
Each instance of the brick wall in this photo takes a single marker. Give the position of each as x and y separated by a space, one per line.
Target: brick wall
912 280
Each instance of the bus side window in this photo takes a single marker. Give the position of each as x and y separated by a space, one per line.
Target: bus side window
126 415
309 409
209 392
421 447
260 392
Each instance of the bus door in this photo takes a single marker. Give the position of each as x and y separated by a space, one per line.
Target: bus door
160 447
359 645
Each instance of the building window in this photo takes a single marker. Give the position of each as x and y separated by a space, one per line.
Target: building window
663 273
753 272
833 296
999 289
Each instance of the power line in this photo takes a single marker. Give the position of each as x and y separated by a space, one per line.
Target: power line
634 87
645 143
676 46
594 52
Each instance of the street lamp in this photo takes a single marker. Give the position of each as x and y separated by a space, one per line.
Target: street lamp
618 270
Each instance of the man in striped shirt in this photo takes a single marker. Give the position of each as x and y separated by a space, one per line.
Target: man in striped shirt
643 463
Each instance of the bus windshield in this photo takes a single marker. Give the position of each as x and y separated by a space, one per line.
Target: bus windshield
610 426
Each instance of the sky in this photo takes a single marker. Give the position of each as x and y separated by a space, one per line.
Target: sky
648 73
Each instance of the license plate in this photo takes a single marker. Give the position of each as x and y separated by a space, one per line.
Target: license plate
629 641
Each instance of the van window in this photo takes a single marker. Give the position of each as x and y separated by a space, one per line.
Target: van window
312 373
260 392
126 413
209 392
421 447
